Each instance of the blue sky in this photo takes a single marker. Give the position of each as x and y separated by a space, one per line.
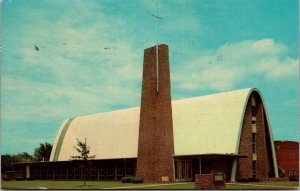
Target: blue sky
91 54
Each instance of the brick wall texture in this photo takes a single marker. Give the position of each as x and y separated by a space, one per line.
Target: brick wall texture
219 164
204 181
156 142
264 164
287 153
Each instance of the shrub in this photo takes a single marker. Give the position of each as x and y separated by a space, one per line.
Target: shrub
243 180
137 180
127 179
132 179
20 178
294 178
253 179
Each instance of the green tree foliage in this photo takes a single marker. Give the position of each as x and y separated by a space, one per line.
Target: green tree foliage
83 150
7 160
40 153
25 157
43 152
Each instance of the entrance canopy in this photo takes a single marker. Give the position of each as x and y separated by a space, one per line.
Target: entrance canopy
215 155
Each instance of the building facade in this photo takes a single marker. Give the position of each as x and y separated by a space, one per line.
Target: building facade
288 157
166 140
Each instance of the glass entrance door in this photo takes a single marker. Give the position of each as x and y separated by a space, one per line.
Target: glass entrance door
188 166
183 170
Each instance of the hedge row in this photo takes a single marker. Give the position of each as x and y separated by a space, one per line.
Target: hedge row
249 180
294 178
132 179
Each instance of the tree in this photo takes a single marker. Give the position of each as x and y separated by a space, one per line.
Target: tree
43 152
8 161
24 157
84 150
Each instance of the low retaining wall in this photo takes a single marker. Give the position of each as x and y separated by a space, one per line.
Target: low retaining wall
204 181
209 181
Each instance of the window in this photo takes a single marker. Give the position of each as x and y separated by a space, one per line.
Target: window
253 142
253 101
254 169
253 126
183 170
178 170
253 111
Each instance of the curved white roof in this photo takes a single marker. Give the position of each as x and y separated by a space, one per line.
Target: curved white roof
209 124
109 135
202 125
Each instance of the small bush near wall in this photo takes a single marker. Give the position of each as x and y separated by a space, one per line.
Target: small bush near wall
294 178
132 179
249 180
20 178
245 180
253 180
127 179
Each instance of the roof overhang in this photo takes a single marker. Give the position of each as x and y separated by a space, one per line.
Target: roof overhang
212 155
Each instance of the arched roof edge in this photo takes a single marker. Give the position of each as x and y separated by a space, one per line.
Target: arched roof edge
269 129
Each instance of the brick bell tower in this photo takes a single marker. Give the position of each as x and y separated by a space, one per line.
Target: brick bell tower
156 142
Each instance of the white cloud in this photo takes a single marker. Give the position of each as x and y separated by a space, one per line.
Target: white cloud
216 77
267 46
43 101
85 69
286 68
231 63
77 70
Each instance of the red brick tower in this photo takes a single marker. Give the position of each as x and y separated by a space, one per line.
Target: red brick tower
156 142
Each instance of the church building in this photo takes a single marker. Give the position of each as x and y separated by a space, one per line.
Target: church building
165 140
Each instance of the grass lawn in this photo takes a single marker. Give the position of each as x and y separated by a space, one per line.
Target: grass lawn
263 185
48 184
42 184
